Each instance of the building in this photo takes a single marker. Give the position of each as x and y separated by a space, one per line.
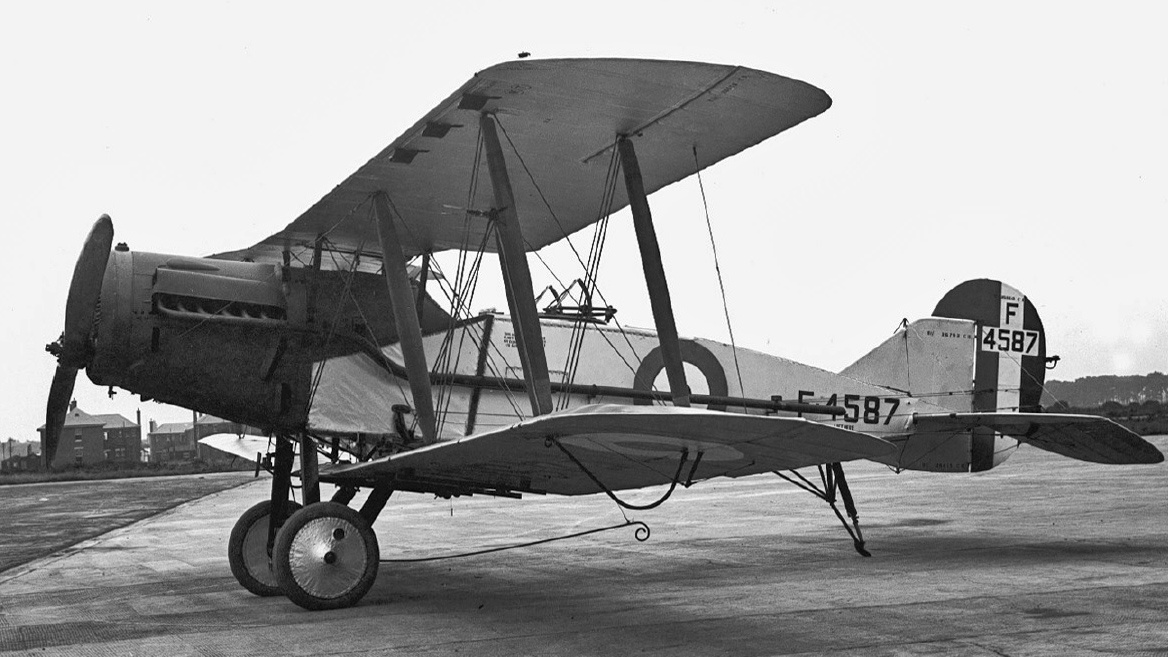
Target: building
208 425
82 439
171 442
91 439
19 455
123 439
175 442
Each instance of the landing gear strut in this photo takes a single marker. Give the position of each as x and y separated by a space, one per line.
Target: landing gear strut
832 477
323 555
249 549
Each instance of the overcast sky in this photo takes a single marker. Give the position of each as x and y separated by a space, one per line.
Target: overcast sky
1021 141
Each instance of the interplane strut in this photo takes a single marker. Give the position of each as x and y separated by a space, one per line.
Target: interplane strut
406 318
654 274
516 275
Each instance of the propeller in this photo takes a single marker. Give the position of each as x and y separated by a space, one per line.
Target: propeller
74 349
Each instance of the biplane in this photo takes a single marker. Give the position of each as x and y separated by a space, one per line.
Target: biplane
344 339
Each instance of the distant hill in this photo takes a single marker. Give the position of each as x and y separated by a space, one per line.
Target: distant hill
1093 391
1139 402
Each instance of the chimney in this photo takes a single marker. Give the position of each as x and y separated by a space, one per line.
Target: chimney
139 418
153 426
72 404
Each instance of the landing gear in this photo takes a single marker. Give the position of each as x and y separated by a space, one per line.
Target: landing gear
325 556
247 550
832 477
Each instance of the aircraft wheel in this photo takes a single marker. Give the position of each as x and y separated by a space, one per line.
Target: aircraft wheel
247 550
326 556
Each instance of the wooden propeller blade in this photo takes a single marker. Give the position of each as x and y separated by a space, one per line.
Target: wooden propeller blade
85 291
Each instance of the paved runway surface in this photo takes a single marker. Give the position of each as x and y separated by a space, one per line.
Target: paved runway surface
40 519
1042 556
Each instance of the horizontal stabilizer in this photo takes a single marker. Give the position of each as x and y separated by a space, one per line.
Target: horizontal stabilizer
624 447
1084 437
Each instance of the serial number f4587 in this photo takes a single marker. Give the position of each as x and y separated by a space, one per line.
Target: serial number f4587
868 409
1013 341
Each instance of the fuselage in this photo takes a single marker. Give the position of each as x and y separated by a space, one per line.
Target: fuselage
293 348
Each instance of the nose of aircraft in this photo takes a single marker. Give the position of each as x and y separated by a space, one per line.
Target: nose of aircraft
74 349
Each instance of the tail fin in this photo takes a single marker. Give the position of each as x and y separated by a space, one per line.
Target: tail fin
981 359
983 350
1011 345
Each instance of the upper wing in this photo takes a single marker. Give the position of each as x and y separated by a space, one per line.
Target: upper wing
622 446
1084 437
562 116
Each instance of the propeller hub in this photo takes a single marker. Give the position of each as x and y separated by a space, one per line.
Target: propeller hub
57 347
71 354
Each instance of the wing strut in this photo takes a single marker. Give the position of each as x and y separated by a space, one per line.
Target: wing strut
516 275
654 274
409 331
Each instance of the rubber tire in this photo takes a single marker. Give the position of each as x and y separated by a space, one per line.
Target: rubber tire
297 535
261 586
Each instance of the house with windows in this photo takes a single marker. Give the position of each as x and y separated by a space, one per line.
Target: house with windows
123 439
208 425
90 439
82 439
176 442
172 442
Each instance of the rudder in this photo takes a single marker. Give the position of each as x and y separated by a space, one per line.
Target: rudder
1010 363
983 350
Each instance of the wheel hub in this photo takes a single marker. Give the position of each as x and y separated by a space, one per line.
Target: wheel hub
327 557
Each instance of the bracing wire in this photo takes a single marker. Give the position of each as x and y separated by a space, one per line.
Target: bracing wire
490 363
462 290
563 232
468 274
600 331
718 270
346 292
576 341
641 534
333 325
907 354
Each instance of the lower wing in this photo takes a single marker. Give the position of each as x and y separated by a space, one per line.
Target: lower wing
592 448
1084 437
244 446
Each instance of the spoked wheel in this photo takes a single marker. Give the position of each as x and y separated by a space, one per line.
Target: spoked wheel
247 549
325 556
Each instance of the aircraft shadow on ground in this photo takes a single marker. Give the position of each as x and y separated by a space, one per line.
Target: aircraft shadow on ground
730 594
676 600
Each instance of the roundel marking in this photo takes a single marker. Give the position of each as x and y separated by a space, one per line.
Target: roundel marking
692 353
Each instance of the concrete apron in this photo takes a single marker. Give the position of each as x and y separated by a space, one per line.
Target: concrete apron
1041 556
